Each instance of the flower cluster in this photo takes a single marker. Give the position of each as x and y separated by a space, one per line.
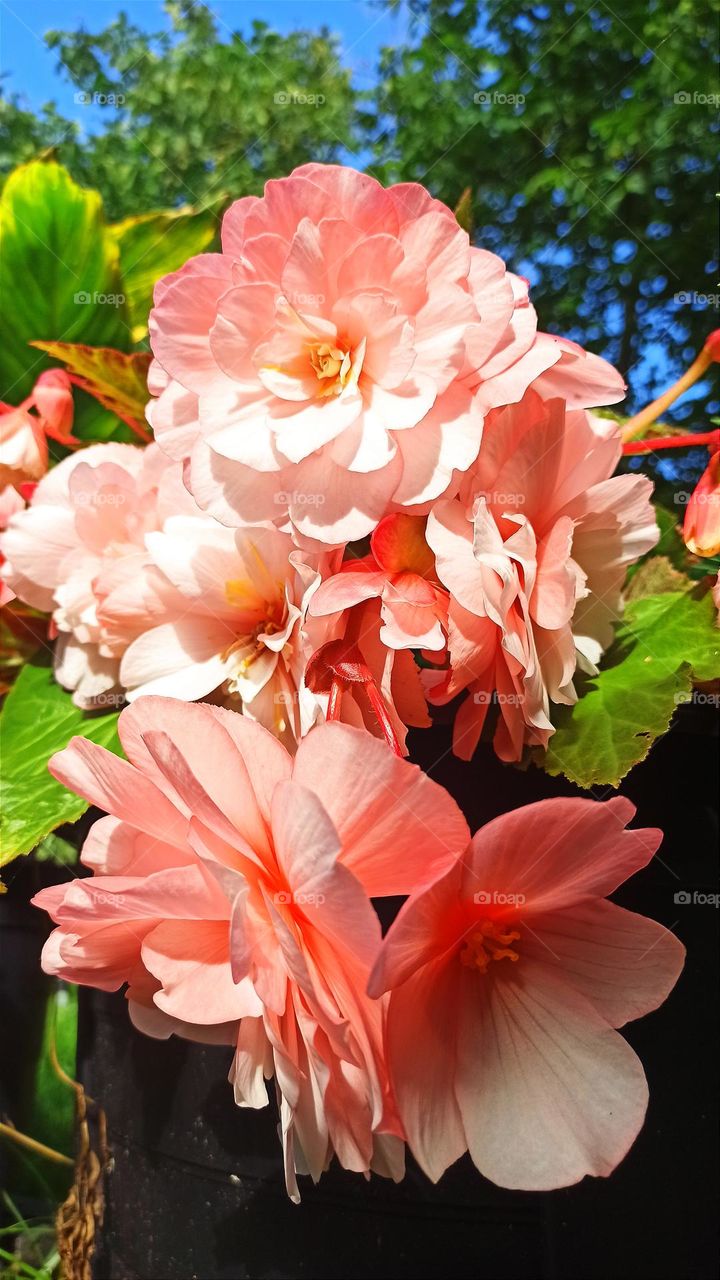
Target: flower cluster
374 487
231 891
348 366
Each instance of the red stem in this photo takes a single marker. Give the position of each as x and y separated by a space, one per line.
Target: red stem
686 441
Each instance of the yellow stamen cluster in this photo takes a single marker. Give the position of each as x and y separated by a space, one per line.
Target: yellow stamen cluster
489 940
331 364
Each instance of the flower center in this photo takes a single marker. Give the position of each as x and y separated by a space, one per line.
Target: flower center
332 367
269 617
489 940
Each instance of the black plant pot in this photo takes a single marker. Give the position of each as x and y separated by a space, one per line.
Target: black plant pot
196 1188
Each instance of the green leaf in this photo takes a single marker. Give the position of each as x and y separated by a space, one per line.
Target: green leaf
116 379
59 273
38 719
52 1116
664 643
56 850
152 245
464 211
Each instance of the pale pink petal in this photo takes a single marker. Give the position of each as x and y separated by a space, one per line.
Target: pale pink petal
399 829
548 1093
580 850
422 1027
114 785
190 958
623 963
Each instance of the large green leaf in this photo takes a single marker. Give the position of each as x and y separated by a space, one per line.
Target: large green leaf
38 719
153 244
59 273
664 643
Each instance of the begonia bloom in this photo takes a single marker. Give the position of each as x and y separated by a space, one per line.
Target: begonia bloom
339 355
534 552
507 979
232 882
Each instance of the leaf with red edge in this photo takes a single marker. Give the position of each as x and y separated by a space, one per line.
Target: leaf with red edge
118 381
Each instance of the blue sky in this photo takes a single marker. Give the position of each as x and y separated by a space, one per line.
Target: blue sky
31 67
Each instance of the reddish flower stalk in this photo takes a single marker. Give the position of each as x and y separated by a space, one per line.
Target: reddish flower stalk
641 421
687 440
333 669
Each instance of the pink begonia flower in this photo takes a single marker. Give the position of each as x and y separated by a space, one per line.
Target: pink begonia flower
365 683
23 434
237 622
82 537
338 356
53 399
534 552
701 527
507 979
23 446
232 882
400 572
10 503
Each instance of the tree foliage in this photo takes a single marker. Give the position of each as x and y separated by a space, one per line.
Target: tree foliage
192 113
589 138
585 135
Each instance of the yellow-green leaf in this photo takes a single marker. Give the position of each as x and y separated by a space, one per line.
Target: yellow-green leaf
59 273
38 719
665 643
154 244
116 379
